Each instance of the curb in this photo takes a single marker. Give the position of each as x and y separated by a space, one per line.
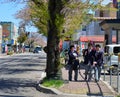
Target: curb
106 83
49 90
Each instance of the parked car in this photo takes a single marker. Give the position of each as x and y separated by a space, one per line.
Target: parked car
111 57
27 48
37 49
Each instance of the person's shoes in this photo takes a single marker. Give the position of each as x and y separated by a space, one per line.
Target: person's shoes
75 79
85 78
96 80
70 80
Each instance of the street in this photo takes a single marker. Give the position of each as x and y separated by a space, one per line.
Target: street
19 75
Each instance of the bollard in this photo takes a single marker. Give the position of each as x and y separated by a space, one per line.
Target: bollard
118 85
110 71
105 65
111 68
110 76
118 74
104 74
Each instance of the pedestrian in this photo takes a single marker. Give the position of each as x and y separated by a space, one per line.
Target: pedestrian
73 63
98 62
66 56
78 50
89 54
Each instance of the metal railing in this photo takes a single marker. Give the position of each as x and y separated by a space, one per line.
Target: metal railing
111 68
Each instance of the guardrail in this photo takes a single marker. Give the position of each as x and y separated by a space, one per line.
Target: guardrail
111 68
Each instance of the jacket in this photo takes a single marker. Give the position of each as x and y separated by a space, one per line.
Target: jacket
99 58
89 56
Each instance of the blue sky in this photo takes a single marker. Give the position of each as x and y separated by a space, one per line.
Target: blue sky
7 11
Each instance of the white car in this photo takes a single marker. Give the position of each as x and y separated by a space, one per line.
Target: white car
111 56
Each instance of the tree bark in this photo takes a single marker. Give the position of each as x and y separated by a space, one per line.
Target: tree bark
53 51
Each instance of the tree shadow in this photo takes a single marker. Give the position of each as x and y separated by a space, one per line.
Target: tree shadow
17 71
90 93
13 85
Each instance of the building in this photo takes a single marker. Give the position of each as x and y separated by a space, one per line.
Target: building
93 31
112 24
0 38
8 35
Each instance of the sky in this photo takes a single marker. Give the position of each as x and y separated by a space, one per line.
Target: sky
8 10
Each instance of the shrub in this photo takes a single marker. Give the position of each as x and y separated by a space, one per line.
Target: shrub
52 83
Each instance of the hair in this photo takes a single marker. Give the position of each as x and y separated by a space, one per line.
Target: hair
90 44
71 46
97 45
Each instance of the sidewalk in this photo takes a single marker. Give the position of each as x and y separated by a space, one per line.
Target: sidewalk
2 55
82 87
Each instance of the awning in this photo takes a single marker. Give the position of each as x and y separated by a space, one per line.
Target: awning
95 38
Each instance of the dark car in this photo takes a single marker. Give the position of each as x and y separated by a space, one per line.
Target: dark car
37 50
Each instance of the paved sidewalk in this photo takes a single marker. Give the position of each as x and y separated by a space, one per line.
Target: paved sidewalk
82 87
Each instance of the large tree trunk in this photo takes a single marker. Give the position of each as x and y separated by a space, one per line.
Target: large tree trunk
53 52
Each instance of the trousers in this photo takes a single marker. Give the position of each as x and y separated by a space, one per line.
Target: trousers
70 73
96 70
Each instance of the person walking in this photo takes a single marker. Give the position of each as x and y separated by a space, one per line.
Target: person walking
73 65
97 63
88 60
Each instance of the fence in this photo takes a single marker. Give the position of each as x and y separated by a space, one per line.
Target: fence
114 71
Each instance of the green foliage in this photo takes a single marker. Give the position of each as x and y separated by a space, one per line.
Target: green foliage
39 15
21 39
76 13
69 18
52 83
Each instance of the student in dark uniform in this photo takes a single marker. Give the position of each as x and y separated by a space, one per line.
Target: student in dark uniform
73 65
89 58
98 62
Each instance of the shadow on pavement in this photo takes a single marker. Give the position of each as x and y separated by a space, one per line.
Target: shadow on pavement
90 91
13 85
10 96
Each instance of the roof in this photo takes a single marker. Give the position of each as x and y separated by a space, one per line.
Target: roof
112 23
95 38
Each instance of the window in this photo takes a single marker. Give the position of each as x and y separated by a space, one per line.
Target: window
116 50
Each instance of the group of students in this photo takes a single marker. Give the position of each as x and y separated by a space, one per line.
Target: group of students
93 59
